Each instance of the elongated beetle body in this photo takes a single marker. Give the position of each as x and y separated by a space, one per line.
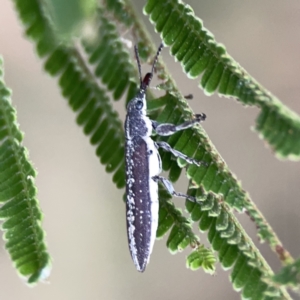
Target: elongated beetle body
143 166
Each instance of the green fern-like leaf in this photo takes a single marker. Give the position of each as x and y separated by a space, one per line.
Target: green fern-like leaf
202 257
181 235
289 275
107 54
67 25
215 176
23 235
37 25
199 53
235 249
117 8
94 112
93 109
170 217
104 52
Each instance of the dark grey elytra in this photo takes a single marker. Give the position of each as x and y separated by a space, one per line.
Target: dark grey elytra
143 166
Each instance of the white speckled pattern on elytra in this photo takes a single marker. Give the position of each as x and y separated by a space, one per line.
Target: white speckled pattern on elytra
142 163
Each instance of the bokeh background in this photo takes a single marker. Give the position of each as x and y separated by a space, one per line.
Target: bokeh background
84 212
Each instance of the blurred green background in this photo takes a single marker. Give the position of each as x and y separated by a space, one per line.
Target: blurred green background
84 213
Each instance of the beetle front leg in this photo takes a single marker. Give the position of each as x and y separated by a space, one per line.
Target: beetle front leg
169 187
169 129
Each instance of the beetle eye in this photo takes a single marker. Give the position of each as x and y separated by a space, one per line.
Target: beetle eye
139 105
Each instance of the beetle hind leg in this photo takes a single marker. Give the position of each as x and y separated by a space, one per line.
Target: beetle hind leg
169 187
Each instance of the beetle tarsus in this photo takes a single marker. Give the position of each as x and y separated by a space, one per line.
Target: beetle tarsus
200 117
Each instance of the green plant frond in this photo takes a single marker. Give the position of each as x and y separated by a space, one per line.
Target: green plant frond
215 176
68 24
112 61
94 111
123 13
20 211
181 235
288 275
113 66
198 52
235 249
117 8
37 25
203 258
225 233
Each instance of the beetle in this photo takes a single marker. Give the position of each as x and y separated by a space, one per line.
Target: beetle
143 166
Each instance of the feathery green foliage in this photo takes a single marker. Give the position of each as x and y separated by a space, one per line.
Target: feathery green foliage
68 25
104 51
215 177
225 233
86 98
181 235
235 249
203 258
289 275
198 52
20 209
94 112
109 61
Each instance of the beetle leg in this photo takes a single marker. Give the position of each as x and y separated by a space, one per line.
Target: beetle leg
177 153
169 187
169 129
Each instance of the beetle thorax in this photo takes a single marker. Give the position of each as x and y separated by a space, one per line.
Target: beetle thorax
137 123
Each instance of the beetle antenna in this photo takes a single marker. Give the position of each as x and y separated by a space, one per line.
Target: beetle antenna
148 77
136 51
156 56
